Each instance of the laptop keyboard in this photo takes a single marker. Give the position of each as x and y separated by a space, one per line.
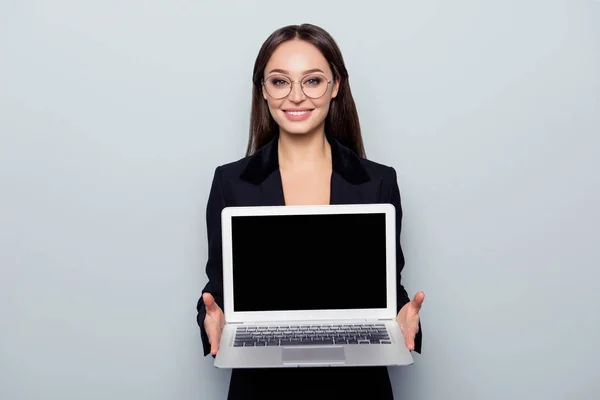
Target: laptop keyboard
310 335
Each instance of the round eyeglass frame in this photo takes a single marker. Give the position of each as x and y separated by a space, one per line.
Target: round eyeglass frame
328 81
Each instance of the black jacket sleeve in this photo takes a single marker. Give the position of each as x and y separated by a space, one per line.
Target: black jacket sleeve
214 264
393 195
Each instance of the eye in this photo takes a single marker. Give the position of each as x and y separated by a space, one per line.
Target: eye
279 82
313 81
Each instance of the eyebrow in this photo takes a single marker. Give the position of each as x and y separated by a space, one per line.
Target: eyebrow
283 71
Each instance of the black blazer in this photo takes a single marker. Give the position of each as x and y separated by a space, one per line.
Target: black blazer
255 181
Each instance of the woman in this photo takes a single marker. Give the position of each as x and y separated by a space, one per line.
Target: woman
305 147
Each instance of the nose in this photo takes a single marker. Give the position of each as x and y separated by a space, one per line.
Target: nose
296 95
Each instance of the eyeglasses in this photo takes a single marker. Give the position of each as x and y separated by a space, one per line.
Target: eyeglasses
313 86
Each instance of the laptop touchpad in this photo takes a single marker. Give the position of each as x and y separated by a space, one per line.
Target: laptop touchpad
310 355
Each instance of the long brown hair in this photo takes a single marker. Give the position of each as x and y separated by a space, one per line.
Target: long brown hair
341 122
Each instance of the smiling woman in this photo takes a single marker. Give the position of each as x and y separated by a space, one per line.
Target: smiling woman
305 148
300 69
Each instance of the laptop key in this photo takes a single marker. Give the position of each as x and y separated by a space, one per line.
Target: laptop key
243 334
378 337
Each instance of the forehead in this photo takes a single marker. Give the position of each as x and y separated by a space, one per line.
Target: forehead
297 56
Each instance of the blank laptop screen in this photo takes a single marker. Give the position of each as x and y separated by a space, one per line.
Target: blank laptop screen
309 262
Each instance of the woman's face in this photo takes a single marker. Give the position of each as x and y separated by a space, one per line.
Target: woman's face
293 63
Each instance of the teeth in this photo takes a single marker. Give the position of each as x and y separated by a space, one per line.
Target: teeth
297 112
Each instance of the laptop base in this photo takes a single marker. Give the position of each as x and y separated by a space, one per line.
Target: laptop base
391 353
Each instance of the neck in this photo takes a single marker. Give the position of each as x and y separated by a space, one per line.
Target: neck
303 151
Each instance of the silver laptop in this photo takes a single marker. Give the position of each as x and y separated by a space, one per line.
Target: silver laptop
308 286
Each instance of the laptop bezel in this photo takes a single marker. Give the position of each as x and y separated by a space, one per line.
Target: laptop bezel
232 316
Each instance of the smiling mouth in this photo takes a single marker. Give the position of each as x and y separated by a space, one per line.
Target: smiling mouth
297 113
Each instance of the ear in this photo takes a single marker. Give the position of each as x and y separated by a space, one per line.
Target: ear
336 88
264 92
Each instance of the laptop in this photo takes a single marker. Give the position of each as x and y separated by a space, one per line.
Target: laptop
310 286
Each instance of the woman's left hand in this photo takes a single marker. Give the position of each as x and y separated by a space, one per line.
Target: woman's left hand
408 318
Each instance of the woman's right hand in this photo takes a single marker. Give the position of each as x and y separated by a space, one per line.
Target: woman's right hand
214 321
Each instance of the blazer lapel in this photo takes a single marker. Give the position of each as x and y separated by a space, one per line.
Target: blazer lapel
350 181
262 179
344 192
271 190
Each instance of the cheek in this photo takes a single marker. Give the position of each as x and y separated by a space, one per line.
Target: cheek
323 105
274 106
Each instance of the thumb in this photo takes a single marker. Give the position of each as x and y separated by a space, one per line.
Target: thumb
417 301
209 302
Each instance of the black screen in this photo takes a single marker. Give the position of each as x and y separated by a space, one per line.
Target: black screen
309 262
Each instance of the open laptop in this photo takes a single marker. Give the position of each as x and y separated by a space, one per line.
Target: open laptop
308 286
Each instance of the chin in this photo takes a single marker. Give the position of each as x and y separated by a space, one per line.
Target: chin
297 132
298 129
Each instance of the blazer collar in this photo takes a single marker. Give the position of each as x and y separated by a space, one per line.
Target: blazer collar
266 161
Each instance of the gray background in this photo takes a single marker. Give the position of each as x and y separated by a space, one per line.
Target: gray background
114 114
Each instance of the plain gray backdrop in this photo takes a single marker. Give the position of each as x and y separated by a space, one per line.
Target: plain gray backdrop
114 114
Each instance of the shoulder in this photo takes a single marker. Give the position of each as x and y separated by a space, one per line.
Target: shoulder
377 170
225 179
233 169
386 174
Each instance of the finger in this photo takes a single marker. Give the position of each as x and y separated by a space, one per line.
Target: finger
209 302
417 301
214 337
410 340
